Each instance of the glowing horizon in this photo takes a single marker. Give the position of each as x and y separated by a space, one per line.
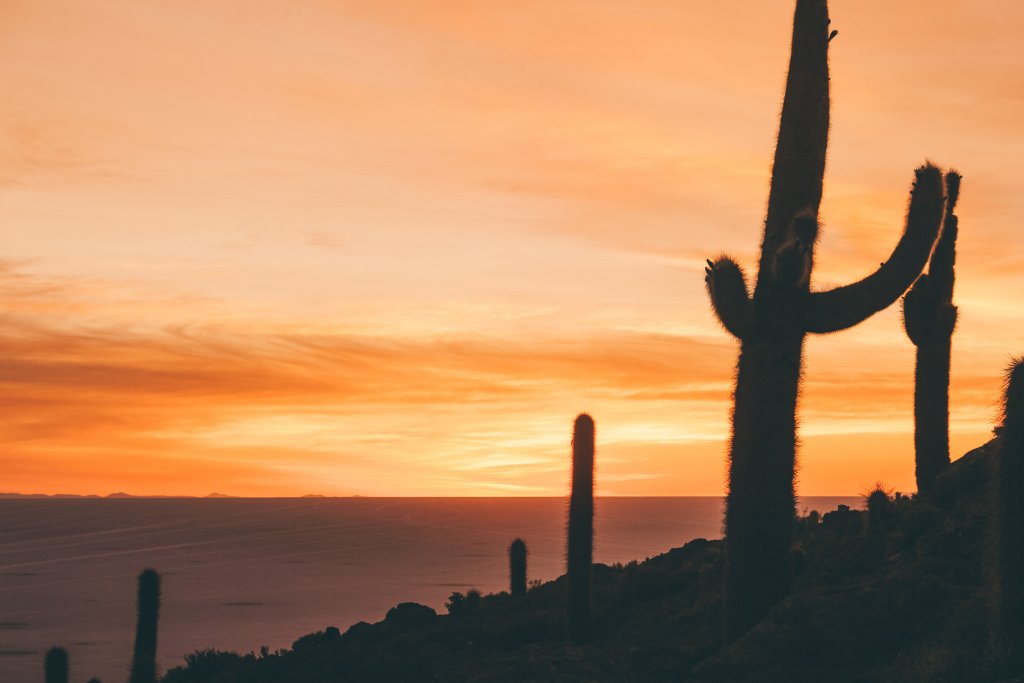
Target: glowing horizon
395 248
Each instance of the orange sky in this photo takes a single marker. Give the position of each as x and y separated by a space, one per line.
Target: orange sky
393 248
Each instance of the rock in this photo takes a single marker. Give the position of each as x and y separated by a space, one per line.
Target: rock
410 614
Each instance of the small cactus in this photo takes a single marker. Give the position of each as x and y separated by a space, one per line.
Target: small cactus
581 531
517 568
880 509
1009 520
144 659
56 665
929 318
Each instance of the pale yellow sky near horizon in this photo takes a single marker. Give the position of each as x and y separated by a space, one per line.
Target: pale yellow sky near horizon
393 248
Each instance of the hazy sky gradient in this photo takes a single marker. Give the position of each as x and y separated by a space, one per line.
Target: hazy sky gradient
393 248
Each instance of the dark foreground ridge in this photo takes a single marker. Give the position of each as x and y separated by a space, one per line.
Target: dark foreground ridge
900 597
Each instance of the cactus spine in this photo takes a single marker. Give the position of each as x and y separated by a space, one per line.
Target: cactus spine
581 531
771 324
144 658
56 665
517 568
929 318
1009 520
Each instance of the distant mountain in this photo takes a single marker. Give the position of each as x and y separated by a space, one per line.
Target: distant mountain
47 495
218 495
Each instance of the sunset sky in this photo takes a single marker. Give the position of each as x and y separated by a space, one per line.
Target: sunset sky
393 248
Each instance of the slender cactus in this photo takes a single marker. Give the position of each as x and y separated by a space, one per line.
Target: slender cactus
1008 601
581 531
929 317
144 659
771 325
56 665
517 568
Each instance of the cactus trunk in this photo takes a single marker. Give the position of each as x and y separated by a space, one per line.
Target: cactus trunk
517 568
1008 598
144 658
56 665
931 412
771 324
760 506
581 531
929 318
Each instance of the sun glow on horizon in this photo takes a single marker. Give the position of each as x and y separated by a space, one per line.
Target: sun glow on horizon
394 249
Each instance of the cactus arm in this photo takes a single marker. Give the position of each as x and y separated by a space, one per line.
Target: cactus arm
940 269
799 165
843 307
727 288
915 311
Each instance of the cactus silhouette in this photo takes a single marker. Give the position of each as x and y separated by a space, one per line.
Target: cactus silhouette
1009 520
771 324
144 658
929 317
517 568
56 665
581 531
880 509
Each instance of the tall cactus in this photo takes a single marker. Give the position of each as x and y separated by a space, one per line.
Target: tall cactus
144 658
1008 597
56 665
581 531
771 324
929 317
517 568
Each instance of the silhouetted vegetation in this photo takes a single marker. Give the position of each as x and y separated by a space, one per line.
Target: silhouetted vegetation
517 568
1009 523
929 318
144 657
880 509
897 605
460 605
772 323
581 531
56 665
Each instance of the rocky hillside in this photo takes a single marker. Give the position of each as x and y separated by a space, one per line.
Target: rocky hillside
894 594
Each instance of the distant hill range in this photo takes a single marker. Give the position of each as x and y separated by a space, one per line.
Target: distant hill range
118 494
121 494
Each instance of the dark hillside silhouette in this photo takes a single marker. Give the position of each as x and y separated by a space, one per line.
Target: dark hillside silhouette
771 324
1008 598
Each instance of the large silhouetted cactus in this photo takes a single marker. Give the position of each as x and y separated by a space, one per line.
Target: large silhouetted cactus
1009 520
581 531
929 317
144 658
772 323
517 568
56 665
